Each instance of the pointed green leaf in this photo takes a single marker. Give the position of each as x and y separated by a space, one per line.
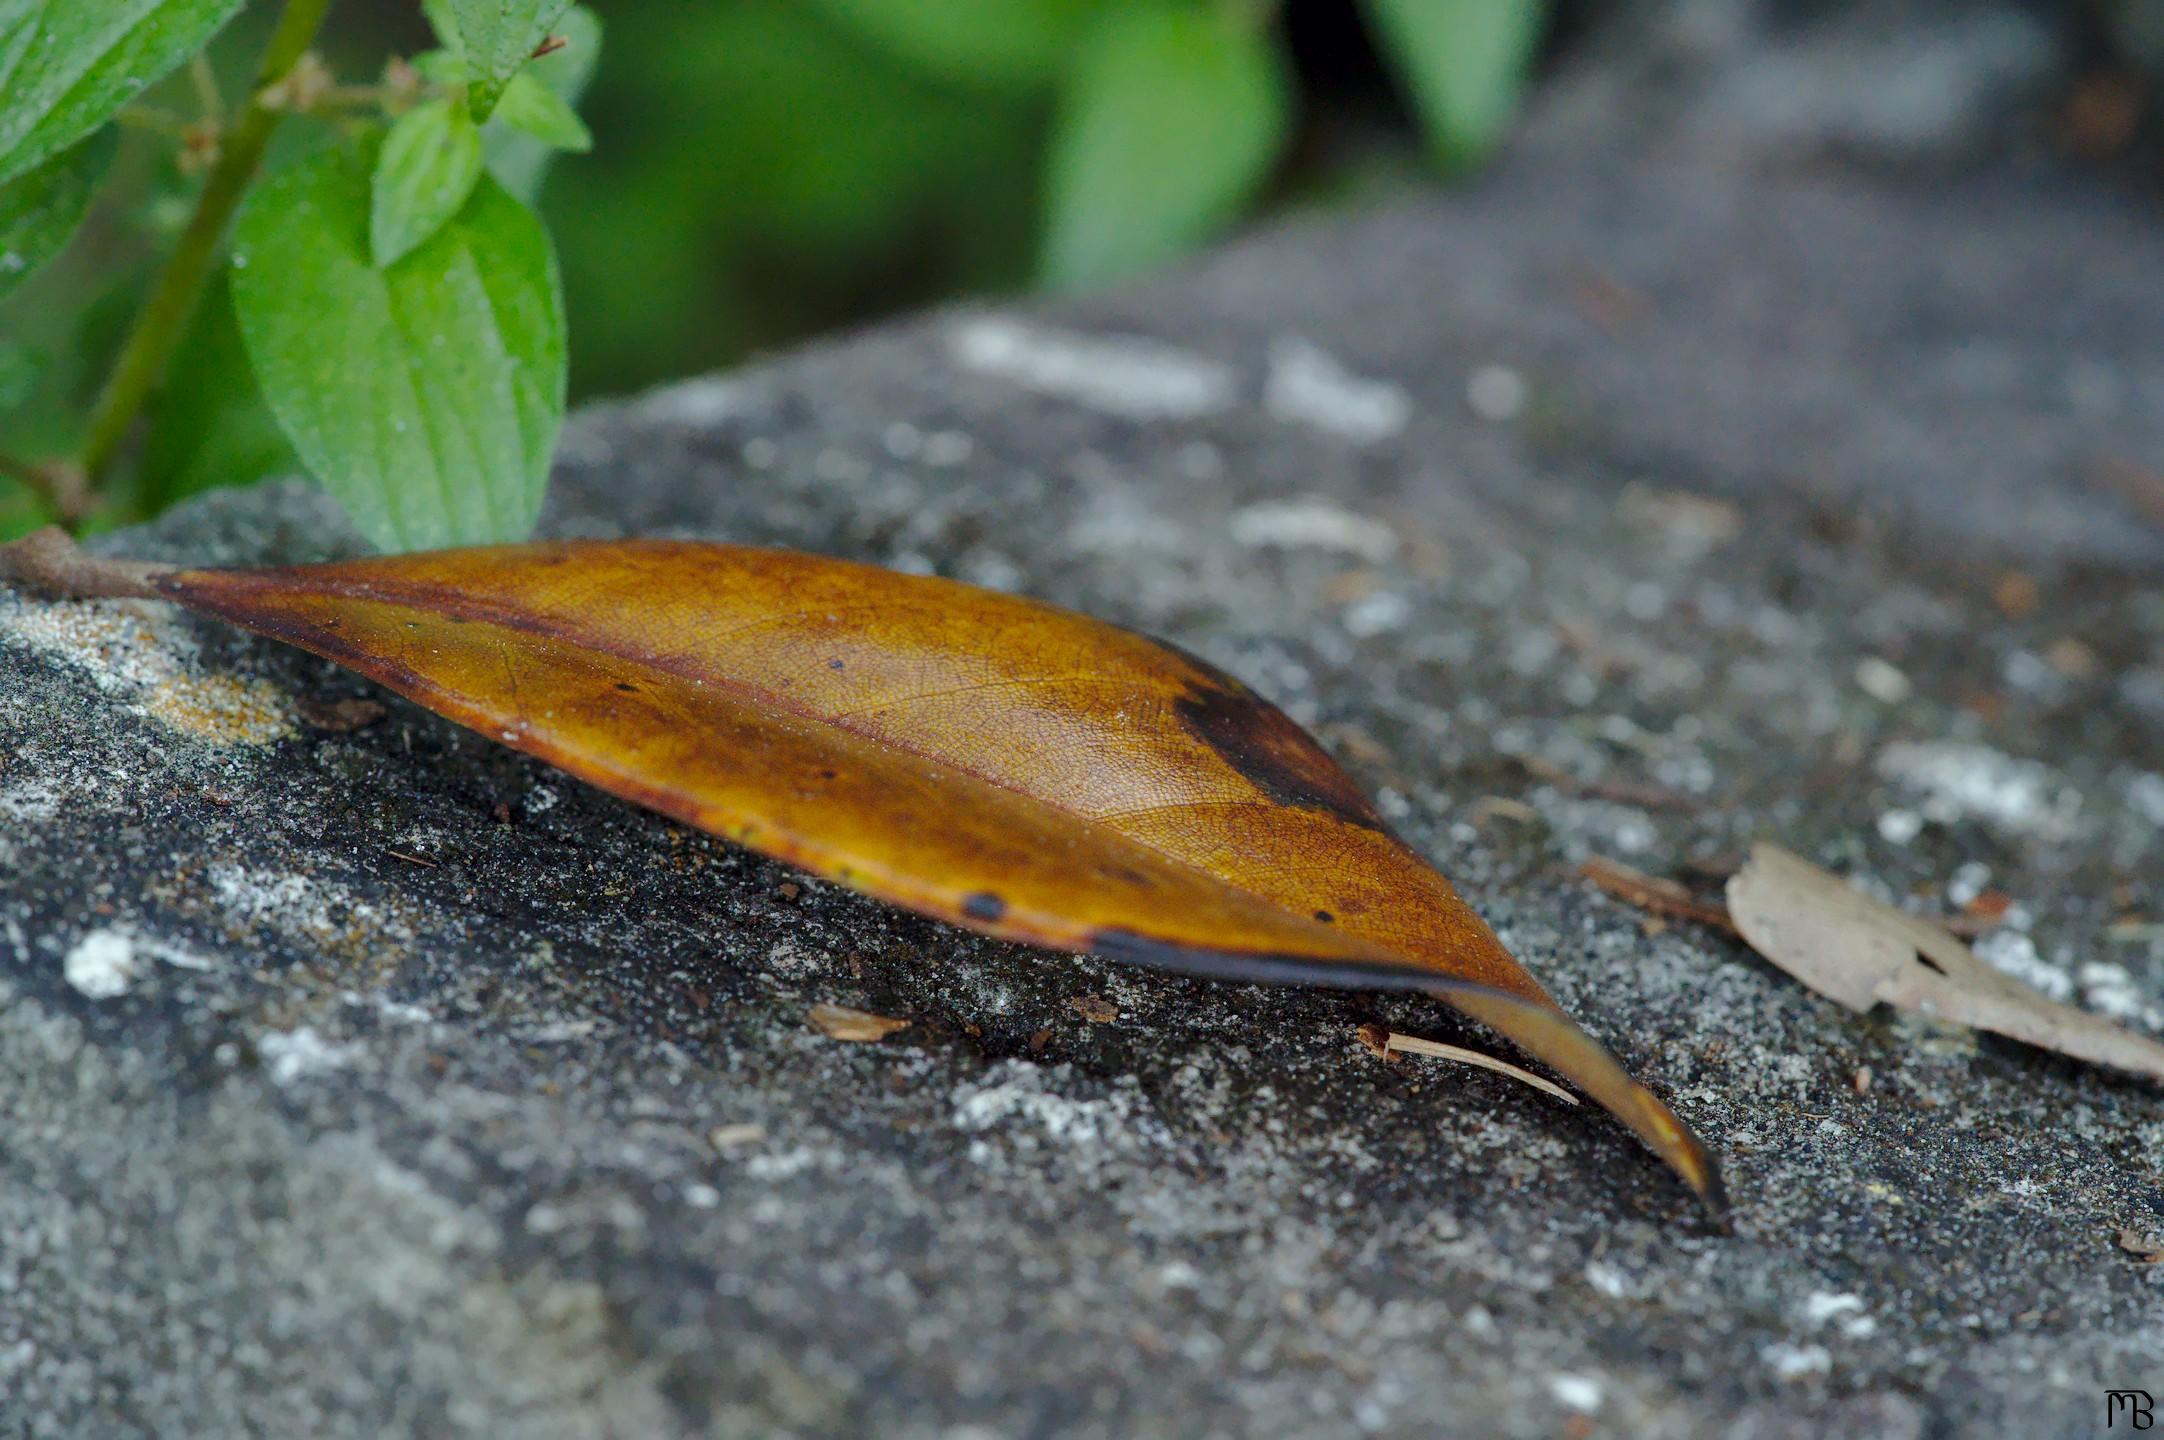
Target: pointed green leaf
40 210
424 172
530 107
425 396
1463 62
520 160
67 65
1165 129
496 37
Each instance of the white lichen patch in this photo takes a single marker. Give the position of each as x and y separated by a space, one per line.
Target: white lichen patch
700 404
1314 525
1793 1362
1841 1310
291 1055
1016 1101
2011 953
1309 386
102 965
140 653
320 911
1958 782
1582 1393
1124 375
105 964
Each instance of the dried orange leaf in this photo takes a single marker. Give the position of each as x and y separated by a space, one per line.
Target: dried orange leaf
1861 952
986 759
839 1022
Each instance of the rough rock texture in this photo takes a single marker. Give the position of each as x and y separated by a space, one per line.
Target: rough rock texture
361 1077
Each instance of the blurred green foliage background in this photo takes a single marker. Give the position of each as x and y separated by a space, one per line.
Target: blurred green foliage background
765 169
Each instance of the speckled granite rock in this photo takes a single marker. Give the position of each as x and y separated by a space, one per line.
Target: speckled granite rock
361 1077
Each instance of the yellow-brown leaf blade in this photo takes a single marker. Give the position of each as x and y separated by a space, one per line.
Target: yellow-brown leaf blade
981 758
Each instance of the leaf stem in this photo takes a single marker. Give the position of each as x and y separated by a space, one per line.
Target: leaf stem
164 316
50 560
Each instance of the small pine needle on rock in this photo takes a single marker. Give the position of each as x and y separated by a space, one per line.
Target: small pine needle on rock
1389 1045
839 1022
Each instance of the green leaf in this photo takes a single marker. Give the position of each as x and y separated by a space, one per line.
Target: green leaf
978 42
67 65
521 160
209 425
1165 128
496 37
531 108
40 210
427 167
21 369
1463 62
426 396
20 511
441 67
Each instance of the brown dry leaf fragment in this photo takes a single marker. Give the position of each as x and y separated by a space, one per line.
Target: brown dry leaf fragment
2144 1247
1095 1009
1650 892
1395 1044
839 1022
979 757
1860 952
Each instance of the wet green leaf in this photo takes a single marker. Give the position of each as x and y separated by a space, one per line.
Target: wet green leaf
424 172
40 209
497 37
425 396
67 65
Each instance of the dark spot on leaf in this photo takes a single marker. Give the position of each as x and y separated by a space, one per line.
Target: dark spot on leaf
1326 917
983 905
1260 741
834 664
627 687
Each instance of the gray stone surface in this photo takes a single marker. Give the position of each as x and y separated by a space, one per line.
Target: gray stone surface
376 1080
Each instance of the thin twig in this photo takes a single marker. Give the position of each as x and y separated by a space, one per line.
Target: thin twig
1647 892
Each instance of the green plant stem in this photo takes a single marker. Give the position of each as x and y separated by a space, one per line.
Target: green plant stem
164 317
